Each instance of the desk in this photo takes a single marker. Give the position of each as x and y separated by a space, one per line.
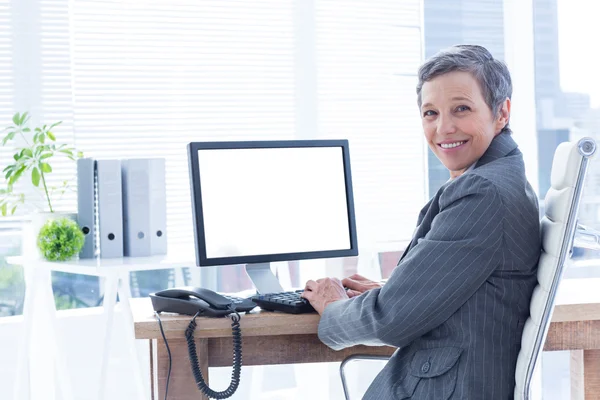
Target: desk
277 338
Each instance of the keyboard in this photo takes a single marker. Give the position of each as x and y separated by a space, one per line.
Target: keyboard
287 302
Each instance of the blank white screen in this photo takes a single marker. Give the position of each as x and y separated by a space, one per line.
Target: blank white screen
273 201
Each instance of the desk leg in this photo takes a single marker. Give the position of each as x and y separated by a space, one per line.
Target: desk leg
124 291
21 388
62 373
576 372
181 385
110 298
591 374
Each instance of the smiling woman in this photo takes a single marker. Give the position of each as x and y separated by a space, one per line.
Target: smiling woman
460 293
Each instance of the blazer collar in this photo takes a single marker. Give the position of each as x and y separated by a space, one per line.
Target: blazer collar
501 146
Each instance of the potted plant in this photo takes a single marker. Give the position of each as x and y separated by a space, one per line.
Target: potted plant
34 149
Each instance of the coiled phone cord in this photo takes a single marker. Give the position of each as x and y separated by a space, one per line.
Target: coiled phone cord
200 382
237 358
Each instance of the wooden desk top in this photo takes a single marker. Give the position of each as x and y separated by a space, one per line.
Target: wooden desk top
255 323
578 300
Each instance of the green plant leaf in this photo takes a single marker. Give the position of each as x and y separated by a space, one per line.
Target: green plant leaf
12 211
55 124
16 118
26 130
24 118
80 154
9 136
4 210
51 135
35 177
27 153
15 176
45 155
46 167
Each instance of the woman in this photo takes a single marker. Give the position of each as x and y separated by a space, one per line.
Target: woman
456 303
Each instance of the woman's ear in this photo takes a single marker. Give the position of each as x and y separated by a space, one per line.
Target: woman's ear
503 115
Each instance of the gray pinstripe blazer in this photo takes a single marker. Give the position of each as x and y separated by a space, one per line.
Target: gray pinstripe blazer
456 303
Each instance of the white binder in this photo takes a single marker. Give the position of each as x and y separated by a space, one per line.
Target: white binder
86 205
110 208
144 207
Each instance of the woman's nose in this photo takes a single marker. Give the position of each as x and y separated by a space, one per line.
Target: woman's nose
445 125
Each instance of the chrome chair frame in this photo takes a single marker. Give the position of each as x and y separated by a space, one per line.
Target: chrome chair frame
587 148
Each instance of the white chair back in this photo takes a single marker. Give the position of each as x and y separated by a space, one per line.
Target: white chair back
558 227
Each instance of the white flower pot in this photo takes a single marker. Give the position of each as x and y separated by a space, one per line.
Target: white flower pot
31 229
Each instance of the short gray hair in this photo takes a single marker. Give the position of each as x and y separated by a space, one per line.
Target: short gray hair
491 74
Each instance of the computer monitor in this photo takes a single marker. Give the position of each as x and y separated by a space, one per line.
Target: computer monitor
256 202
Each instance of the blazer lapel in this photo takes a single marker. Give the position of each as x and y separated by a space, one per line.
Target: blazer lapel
501 146
426 215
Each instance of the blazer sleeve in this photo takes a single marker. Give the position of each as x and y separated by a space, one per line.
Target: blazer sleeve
437 276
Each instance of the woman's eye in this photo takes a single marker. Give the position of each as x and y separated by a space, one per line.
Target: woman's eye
462 108
429 113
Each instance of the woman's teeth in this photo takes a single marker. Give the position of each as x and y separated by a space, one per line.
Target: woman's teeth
452 145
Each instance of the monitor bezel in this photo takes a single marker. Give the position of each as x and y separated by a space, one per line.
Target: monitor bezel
196 194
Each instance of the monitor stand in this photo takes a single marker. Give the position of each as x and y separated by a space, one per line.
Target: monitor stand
263 278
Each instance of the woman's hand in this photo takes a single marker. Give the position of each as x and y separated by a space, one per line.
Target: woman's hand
322 292
358 284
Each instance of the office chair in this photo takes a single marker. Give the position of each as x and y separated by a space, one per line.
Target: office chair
559 230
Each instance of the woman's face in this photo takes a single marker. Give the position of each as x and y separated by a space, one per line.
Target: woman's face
458 124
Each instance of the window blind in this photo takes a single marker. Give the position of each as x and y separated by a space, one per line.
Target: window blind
6 93
151 77
132 78
368 55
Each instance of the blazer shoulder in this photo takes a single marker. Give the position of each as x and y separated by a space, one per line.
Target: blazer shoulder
469 185
507 175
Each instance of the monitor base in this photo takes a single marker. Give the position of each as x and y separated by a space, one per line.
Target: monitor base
263 278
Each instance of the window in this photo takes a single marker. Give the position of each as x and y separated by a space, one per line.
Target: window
133 79
130 78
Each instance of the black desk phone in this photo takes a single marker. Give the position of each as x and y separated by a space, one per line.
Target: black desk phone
190 300
203 302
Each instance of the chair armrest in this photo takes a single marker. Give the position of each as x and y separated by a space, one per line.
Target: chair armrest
587 238
356 357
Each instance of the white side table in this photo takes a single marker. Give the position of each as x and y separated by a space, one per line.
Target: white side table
39 304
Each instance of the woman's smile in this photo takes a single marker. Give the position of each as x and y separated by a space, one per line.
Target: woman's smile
450 146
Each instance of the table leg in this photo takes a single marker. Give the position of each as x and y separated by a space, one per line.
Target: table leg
62 374
110 298
591 375
182 385
21 388
576 374
38 281
124 291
